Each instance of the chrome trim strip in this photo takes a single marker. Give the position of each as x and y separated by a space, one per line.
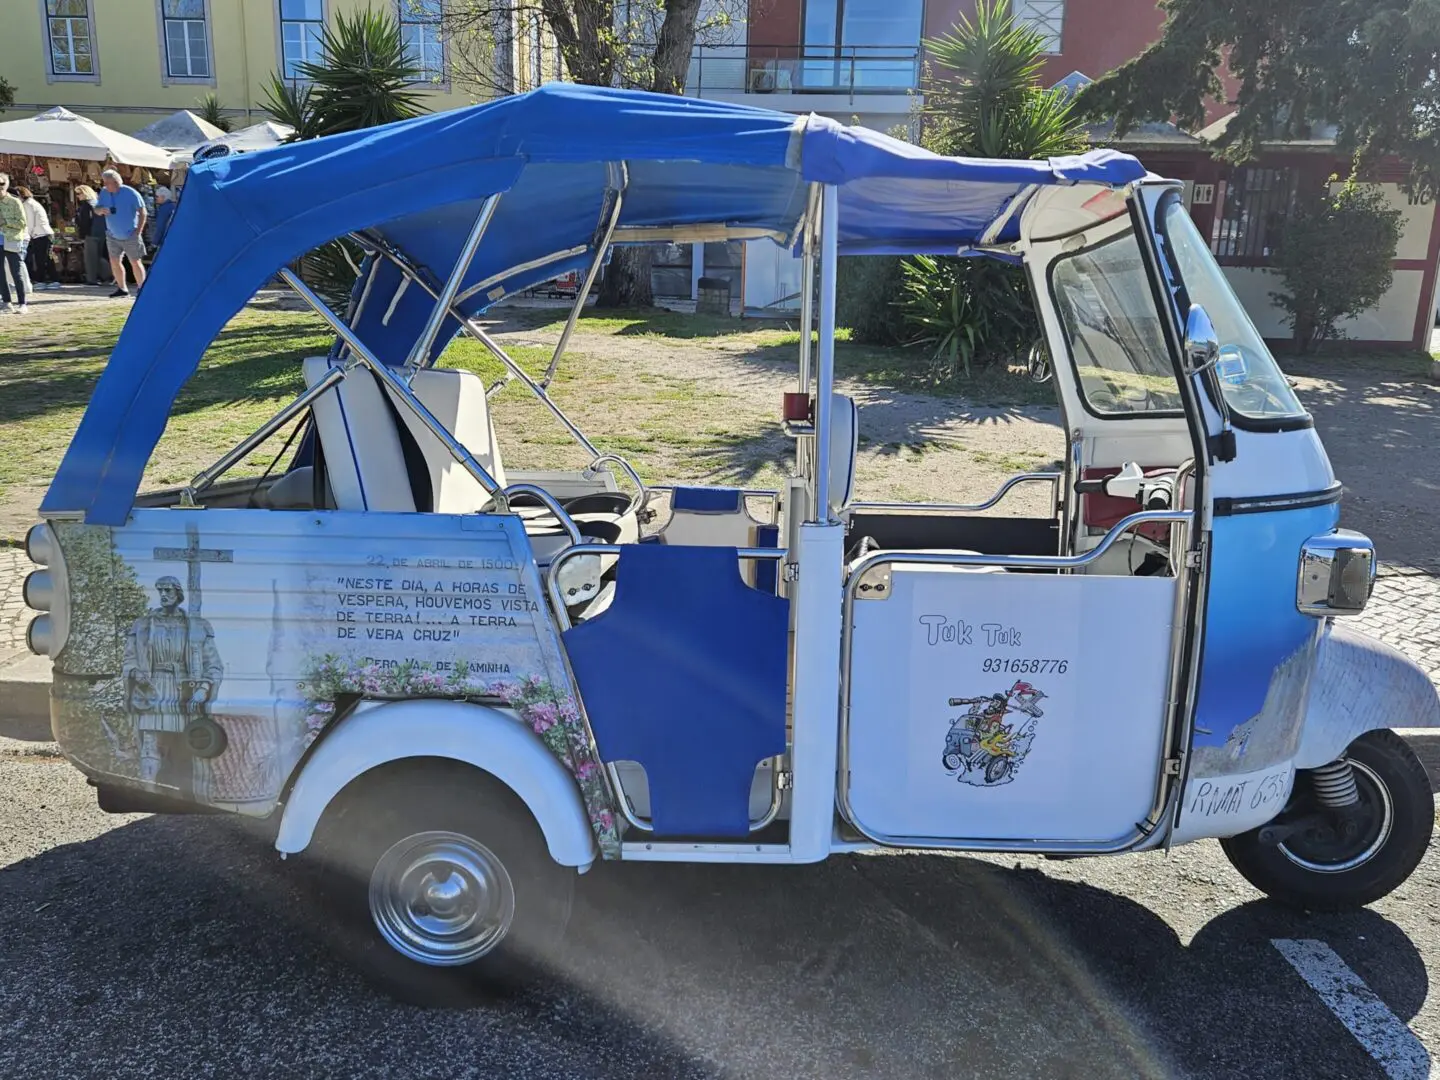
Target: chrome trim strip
1053 479
441 308
1260 504
1166 790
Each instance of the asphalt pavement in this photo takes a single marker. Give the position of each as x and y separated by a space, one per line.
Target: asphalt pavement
184 947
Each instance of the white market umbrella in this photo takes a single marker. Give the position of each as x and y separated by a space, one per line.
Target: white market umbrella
182 130
59 133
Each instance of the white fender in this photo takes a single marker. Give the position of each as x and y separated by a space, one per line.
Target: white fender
1361 684
484 737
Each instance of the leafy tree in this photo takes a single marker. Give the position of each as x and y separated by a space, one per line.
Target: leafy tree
364 80
636 44
1322 288
1368 68
7 94
984 99
212 112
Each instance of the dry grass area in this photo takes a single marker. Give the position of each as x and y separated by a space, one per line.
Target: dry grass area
682 397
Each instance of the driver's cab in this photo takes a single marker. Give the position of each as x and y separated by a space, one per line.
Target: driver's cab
1038 659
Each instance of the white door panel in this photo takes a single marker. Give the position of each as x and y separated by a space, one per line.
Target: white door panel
1076 752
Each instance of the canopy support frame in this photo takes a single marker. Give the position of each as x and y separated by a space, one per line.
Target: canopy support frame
421 348
402 390
615 197
825 370
804 444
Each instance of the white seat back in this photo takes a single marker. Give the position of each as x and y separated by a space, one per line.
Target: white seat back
363 457
844 444
457 400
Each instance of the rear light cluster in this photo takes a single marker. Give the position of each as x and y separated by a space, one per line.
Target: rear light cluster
45 591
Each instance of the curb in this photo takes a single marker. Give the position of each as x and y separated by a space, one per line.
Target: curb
25 699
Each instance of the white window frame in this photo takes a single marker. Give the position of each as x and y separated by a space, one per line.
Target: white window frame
322 22
167 79
51 75
1046 18
408 18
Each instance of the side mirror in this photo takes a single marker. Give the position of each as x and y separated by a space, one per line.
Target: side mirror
1038 363
1202 346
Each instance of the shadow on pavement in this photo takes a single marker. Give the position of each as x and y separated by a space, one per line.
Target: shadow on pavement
184 944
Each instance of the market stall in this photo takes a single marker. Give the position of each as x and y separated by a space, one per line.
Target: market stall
57 150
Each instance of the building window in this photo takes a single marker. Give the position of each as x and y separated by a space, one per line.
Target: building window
302 25
187 46
1045 17
420 29
71 46
1258 202
870 44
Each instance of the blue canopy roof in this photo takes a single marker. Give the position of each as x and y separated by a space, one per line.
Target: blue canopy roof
693 169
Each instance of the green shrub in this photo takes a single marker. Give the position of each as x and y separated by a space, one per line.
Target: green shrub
970 312
1335 259
868 293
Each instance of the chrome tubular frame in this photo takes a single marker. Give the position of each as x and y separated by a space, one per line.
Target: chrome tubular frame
1166 787
519 268
208 476
825 373
479 333
402 390
804 444
552 504
1055 480
642 493
562 617
421 349
617 200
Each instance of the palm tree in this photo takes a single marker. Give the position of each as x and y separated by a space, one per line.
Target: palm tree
364 80
983 98
212 112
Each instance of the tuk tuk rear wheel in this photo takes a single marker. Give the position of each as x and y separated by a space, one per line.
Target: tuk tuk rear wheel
1350 868
443 890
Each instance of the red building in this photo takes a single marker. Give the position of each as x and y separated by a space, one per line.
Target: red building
861 61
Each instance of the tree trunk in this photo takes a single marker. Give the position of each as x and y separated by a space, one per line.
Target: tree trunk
627 279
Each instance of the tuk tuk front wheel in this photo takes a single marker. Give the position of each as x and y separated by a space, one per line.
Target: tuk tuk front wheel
443 889
1342 860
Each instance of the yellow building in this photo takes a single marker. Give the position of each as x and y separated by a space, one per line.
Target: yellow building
128 63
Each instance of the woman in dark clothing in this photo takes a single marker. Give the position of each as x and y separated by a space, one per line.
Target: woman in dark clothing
91 227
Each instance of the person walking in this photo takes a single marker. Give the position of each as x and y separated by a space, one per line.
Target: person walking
37 221
164 211
90 227
13 232
124 213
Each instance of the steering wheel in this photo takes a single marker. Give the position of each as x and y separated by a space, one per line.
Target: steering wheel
1038 362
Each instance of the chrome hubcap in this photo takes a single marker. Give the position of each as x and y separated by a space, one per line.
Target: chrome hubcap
441 898
1347 852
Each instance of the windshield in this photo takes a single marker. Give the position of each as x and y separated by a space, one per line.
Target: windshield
1113 330
1249 377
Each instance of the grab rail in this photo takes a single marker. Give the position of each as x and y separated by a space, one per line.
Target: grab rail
552 504
562 616
642 493
1054 479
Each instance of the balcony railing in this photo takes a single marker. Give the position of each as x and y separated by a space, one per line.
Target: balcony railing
803 69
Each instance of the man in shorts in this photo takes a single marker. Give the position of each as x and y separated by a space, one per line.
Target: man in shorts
124 213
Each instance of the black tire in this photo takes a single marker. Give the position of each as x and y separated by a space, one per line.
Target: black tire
414 811
1379 756
996 769
952 761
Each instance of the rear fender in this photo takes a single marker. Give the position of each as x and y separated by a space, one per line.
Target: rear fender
484 737
1359 685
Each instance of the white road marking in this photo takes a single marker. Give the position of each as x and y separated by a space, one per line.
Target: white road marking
1385 1037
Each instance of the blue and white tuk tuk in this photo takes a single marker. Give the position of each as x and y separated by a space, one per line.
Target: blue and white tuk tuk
461 684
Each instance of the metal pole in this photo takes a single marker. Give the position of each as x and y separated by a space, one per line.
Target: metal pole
825 376
397 384
208 476
478 333
421 348
584 291
807 287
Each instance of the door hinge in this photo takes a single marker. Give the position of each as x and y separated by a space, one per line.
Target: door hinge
784 780
790 571
1192 560
1172 766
